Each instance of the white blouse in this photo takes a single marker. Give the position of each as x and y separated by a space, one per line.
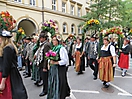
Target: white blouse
112 49
78 46
64 60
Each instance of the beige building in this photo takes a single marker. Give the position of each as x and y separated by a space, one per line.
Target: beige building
30 14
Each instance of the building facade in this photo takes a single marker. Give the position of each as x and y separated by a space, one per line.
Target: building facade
30 14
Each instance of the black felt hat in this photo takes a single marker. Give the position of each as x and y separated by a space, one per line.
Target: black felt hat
43 34
28 38
5 33
93 36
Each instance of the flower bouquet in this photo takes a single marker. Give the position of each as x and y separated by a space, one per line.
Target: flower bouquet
7 21
93 21
114 30
51 55
92 24
50 26
20 34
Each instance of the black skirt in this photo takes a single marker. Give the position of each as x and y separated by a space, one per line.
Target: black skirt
58 87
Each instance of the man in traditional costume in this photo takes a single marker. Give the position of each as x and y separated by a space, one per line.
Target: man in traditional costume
69 50
41 61
29 56
92 49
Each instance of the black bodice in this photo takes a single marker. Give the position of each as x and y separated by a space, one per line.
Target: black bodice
105 53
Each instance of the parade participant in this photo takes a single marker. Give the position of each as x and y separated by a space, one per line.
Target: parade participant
19 56
41 61
106 62
74 49
86 51
123 62
79 57
29 56
35 74
92 50
58 87
11 84
69 50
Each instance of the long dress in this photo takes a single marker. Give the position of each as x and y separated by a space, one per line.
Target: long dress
10 71
58 87
3 94
106 63
124 57
79 62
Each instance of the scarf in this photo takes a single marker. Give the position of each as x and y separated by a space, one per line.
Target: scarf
40 56
56 48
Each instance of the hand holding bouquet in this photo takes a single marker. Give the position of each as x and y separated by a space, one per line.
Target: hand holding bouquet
51 55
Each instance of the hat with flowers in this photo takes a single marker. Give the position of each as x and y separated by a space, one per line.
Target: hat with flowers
7 24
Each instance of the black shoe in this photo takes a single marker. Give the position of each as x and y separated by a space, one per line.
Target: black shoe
42 94
20 69
27 76
104 83
106 86
95 78
36 83
80 73
39 84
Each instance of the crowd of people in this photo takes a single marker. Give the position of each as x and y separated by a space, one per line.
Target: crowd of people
52 74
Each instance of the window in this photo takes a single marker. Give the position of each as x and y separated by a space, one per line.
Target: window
64 7
32 2
53 4
57 27
72 9
72 28
79 12
64 28
79 30
18 0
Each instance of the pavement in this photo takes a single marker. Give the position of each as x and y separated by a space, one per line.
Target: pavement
84 87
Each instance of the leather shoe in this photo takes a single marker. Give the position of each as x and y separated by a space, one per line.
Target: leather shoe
27 76
39 84
42 94
106 86
95 78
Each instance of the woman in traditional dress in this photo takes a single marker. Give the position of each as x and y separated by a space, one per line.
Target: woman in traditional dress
79 57
58 87
11 84
124 57
106 62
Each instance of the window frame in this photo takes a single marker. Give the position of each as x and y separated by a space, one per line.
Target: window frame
64 8
72 29
79 14
54 4
65 28
33 3
72 10
79 30
18 1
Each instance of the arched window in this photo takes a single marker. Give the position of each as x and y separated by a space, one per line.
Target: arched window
79 30
73 29
64 28
57 26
